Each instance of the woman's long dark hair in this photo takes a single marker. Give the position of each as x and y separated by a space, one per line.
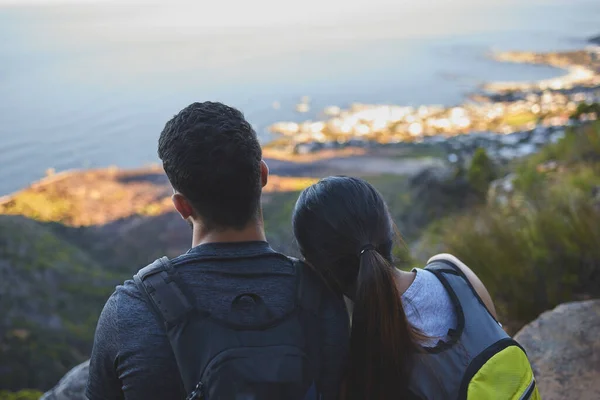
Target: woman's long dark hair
345 232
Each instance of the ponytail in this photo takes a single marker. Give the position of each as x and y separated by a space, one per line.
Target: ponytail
382 342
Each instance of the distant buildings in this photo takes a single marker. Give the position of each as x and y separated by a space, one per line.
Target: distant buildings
393 124
507 123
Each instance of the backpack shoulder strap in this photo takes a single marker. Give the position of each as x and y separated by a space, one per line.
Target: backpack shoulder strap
158 283
447 266
444 266
454 280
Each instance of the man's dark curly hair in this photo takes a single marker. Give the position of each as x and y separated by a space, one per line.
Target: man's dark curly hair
212 156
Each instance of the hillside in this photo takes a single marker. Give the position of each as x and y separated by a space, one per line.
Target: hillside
51 295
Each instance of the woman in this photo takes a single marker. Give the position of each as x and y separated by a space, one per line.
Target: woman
424 334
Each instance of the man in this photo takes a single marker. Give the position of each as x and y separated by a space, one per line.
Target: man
230 284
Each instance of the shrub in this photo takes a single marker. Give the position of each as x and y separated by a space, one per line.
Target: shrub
531 258
579 145
481 172
584 108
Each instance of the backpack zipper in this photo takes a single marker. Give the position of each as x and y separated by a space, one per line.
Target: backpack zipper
530 389
197 393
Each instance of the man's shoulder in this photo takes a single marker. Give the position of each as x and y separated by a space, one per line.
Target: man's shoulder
126 298
126 303
132 316
125 315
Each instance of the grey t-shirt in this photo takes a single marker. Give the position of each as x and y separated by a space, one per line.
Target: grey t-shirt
132 357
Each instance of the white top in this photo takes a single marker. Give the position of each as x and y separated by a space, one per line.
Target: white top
428 307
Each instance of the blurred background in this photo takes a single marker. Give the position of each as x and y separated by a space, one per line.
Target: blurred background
477 120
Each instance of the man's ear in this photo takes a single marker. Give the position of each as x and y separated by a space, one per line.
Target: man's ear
264 173
182 205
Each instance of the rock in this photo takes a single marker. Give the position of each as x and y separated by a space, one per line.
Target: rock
564 348
71 386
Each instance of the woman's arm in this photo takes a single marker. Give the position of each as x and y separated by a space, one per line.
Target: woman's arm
475 281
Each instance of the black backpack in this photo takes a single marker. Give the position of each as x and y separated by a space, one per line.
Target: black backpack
223 359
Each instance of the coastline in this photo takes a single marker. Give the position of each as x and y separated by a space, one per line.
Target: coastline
576 71
496 107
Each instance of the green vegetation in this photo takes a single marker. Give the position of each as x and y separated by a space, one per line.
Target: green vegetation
20 395
585 108
539 247
481 172
52 294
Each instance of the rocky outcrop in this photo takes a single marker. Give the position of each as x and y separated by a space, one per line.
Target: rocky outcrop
564 348
71 386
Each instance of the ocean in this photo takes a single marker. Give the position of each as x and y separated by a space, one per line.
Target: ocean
91 84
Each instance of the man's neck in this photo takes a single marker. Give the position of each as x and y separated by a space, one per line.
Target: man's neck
253 232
